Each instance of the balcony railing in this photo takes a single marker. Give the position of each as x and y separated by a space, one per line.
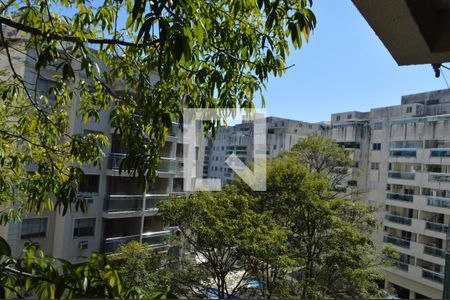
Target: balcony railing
402 153
439 227
115 203
166 165
439 177
151 201
401 175
433 276
401 265
398 219
399 196
396 241
430 250
440 152
111 244
438 202
157 239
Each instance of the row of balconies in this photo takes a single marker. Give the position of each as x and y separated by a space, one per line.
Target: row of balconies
435 277
421 224
432 176
126 203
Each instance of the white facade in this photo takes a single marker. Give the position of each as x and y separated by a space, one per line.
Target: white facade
403 155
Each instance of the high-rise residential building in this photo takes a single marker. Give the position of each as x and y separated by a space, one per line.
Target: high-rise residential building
281 135
403 158
120 207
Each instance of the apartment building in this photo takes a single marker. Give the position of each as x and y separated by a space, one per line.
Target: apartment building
281 135
402 156
120 208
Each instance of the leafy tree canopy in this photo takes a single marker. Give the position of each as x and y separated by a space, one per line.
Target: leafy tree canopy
142 61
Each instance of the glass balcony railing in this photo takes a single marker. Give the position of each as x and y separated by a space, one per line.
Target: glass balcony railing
167 166
430 250
175 130
152 201
396 241
116 203
398 219
401 265
438 202
399 196
402 153
401 175
439 227
114 160
433 276
439 177
157 239
112 244
440 152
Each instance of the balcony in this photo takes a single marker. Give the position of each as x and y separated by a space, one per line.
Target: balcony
166 165
402 153
439 227
433 276
151 201
157 239
112 244
443 152
438 202
434 251
439 177
396 241
398 219
401 175
116 203
399 197
401 265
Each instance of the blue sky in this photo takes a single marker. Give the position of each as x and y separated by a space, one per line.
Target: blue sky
343 67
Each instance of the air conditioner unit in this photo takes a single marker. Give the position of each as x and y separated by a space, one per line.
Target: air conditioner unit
83 245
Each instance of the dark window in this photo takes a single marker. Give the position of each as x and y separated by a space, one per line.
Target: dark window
33 228
376 146
409 109
352 183
338 118
84 227
377 125
89 184
349 116
375 166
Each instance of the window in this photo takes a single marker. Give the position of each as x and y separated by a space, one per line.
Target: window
375 166
377 125
274 147
356 164
376 146
89 184
409 109
352 183
349 116
84 227
33 228
373 184
338 118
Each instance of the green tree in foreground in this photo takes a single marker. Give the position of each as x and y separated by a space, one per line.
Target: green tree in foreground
230 240
142 269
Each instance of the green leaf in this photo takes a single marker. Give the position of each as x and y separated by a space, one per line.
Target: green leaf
4 247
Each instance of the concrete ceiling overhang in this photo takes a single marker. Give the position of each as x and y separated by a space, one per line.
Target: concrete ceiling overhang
413 31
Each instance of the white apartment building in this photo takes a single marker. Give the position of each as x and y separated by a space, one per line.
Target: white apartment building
281 135
403 159
120 209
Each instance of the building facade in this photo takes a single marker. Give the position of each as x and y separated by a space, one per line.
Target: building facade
120 207
402 156
281 135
